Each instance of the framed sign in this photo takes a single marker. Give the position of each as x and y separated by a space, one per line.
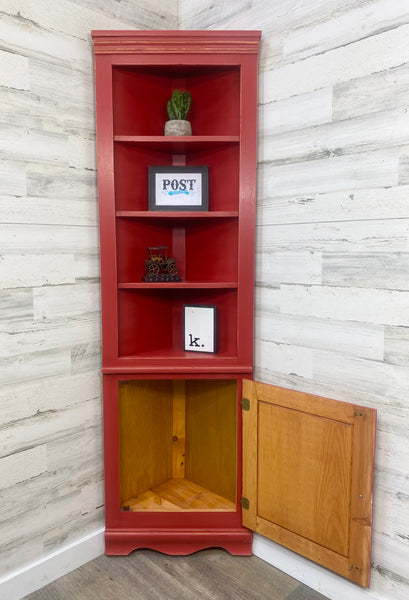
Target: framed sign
178 188
200 328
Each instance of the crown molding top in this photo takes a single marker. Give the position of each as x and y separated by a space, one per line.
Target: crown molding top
176 42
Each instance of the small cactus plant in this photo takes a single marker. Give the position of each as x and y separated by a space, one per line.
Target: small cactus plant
178 105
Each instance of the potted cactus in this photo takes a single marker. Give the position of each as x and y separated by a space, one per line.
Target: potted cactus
178 106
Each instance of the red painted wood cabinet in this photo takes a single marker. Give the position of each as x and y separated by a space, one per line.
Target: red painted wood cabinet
172 418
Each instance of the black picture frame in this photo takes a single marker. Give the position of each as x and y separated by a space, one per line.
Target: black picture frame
200 328
169 190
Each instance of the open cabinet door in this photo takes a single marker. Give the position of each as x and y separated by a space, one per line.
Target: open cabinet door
308 467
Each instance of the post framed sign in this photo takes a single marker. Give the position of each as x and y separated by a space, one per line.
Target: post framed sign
178 188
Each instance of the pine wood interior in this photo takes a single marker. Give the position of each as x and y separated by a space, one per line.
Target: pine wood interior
308 465
305 474
178 442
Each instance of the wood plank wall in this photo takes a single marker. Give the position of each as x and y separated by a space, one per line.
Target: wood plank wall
51 489
332 314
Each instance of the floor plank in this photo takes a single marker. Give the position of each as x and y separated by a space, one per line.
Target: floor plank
147 575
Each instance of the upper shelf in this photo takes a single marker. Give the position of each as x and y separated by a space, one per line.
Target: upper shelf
178 145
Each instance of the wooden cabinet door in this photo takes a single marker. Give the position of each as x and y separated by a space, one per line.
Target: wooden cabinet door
308 467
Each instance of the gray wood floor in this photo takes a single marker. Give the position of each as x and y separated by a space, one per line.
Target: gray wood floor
147 575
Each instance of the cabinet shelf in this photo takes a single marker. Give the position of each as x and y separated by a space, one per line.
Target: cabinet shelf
176 215
178 144
179 495
187 285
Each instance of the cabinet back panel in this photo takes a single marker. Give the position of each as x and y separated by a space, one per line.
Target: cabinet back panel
224 168
145 435
133 115
211 435
131 174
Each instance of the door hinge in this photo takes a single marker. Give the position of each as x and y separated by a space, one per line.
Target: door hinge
245 404
244 503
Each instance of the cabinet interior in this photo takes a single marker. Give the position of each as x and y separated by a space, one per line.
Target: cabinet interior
178 445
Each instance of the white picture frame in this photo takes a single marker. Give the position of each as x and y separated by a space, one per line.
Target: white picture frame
200 328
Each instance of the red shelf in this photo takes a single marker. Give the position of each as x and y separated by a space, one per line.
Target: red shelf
178 144
146 214
187 285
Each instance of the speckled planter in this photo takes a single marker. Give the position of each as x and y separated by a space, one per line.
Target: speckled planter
178 127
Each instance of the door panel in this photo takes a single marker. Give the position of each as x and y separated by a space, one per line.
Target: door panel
308 476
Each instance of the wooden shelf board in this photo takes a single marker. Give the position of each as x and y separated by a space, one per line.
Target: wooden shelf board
178 144
178 285
149 214
179 495
177 139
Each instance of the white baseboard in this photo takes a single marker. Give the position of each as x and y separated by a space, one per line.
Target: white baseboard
38 574
319 579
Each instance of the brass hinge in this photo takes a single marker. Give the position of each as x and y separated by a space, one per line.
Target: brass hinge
245 404
244 503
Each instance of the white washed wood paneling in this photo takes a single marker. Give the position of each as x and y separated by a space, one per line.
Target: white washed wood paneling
267 298
283 358
66 16
87 266
387 270
29 39
358 24
397 345
47 211
15 305
374 377
381 91
25 270
347 205
288 267
204 15
20 143
371 55
13 71
362 134
54 181
48 334
42 239
355 171
68 301
23 465
82 153
382 307
354 339
294 113
55 393
50 426
35 365
388 235
137 14
12 178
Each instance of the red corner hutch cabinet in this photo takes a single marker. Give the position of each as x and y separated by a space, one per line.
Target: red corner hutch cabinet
172 419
